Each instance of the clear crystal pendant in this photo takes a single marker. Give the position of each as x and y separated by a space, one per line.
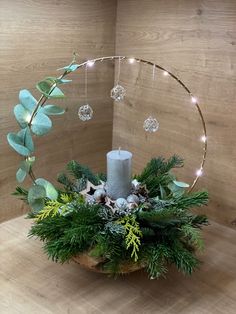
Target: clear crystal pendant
151 125
85 112
118 93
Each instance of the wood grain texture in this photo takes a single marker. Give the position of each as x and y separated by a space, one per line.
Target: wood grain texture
194 39
36 38
30 283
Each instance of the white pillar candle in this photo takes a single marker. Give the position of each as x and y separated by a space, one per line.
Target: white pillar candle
119 173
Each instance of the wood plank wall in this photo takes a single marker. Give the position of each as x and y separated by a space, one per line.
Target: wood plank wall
195 39
36 38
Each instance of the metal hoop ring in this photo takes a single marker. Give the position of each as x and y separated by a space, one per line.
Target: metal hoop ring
203 159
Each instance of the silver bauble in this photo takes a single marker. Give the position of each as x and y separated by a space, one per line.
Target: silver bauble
121 203
136 184
133 199
89 199
99 194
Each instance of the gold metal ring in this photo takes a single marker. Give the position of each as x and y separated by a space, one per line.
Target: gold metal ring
204 136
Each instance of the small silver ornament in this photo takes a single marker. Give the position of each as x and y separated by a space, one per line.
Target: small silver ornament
151 125
121 203
135 184
132 198
85 112
99 194
118 93
89 199
142 199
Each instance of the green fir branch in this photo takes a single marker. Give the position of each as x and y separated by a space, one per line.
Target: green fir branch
79 171
192 236
157 257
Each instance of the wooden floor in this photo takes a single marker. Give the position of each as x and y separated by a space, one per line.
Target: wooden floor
30 283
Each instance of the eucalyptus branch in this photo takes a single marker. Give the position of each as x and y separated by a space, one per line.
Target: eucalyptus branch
42 100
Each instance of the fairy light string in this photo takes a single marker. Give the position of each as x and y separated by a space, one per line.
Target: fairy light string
166 73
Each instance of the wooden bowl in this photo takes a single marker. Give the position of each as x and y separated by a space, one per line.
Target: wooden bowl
96 264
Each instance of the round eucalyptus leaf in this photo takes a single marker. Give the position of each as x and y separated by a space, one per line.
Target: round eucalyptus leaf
25 166
45 86
22 115
171 186
37 204
36 192
63 81
178 193
17 144
27 100
20 175
51 192
176 190
56 93
70 68
41 124
26 138
52 110
181 184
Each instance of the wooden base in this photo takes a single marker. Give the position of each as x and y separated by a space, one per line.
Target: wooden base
96 264
31 283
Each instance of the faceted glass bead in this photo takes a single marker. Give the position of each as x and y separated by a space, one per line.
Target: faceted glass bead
118 93
151 125
85 112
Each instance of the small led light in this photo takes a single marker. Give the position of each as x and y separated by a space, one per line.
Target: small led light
90 63
165 73
131 60
194 100
204 138
199 172
27 118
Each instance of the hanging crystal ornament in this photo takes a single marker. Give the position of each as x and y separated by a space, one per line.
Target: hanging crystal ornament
151 125
118 92
85 112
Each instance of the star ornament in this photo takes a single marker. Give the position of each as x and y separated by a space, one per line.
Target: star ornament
91 188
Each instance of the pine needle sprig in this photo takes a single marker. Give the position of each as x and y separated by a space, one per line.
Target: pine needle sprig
156 175
157 259
184 259
158 166
189 200
66 181
22 193
192 236
79 171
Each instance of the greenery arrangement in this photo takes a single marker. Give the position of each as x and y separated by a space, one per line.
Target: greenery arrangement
159 231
